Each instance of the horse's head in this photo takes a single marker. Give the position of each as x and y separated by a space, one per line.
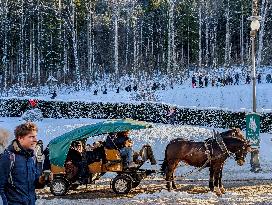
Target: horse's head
239 145
242 151
237 132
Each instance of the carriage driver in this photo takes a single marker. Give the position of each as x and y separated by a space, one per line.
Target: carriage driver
123 143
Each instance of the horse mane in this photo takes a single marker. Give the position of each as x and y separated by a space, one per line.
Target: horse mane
234 133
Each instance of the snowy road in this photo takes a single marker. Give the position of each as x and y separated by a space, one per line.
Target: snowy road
153 192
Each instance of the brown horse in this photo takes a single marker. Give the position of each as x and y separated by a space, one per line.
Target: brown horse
211 153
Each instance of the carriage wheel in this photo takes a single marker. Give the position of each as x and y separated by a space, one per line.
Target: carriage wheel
121 184
58 187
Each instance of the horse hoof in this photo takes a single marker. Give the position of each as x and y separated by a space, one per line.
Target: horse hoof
222 189
217 191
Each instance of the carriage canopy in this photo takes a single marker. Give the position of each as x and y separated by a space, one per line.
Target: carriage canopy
59 147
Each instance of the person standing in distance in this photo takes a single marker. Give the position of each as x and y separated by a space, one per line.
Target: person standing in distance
19 175
4 136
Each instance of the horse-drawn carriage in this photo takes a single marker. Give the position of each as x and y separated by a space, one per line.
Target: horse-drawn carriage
64 177
211 153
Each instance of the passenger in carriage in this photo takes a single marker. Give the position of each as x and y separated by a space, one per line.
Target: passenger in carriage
96 153
74 153
110 141
73 163
124 144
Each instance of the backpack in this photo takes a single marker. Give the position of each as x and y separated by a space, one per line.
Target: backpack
12 161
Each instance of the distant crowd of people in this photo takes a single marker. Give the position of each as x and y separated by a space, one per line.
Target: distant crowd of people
204 81
134 88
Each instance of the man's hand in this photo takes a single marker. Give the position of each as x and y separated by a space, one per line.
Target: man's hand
47 175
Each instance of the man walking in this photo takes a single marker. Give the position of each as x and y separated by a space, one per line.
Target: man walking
19 175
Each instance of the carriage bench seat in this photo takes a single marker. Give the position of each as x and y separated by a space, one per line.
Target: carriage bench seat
114 160
112 155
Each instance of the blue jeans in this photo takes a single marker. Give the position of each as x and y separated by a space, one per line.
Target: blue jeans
127 154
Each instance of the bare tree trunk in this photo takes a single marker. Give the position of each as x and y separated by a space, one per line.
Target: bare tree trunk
200 35
188 46
242 36
214 43
39 47
207 36
65 59
127 43
116 44
32 59
227 43
5 51
74 40
21 76
135 45
90 42
170 38
264 9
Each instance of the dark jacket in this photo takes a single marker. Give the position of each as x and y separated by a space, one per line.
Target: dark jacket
110 142
120 141
25 176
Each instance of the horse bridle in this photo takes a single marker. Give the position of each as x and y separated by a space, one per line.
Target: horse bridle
223 147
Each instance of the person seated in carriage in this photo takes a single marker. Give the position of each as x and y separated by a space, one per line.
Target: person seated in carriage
96 152
110 141
75 152
123 143
75 162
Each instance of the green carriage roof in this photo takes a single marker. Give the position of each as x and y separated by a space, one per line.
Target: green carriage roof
59 147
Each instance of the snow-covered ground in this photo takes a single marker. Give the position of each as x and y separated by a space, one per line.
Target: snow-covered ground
236 196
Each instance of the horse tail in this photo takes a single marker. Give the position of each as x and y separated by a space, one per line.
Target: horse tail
164 164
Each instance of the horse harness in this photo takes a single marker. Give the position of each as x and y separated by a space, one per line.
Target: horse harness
209 153
218 138
209 147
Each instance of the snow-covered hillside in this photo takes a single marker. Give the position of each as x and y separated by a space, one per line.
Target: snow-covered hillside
229 97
